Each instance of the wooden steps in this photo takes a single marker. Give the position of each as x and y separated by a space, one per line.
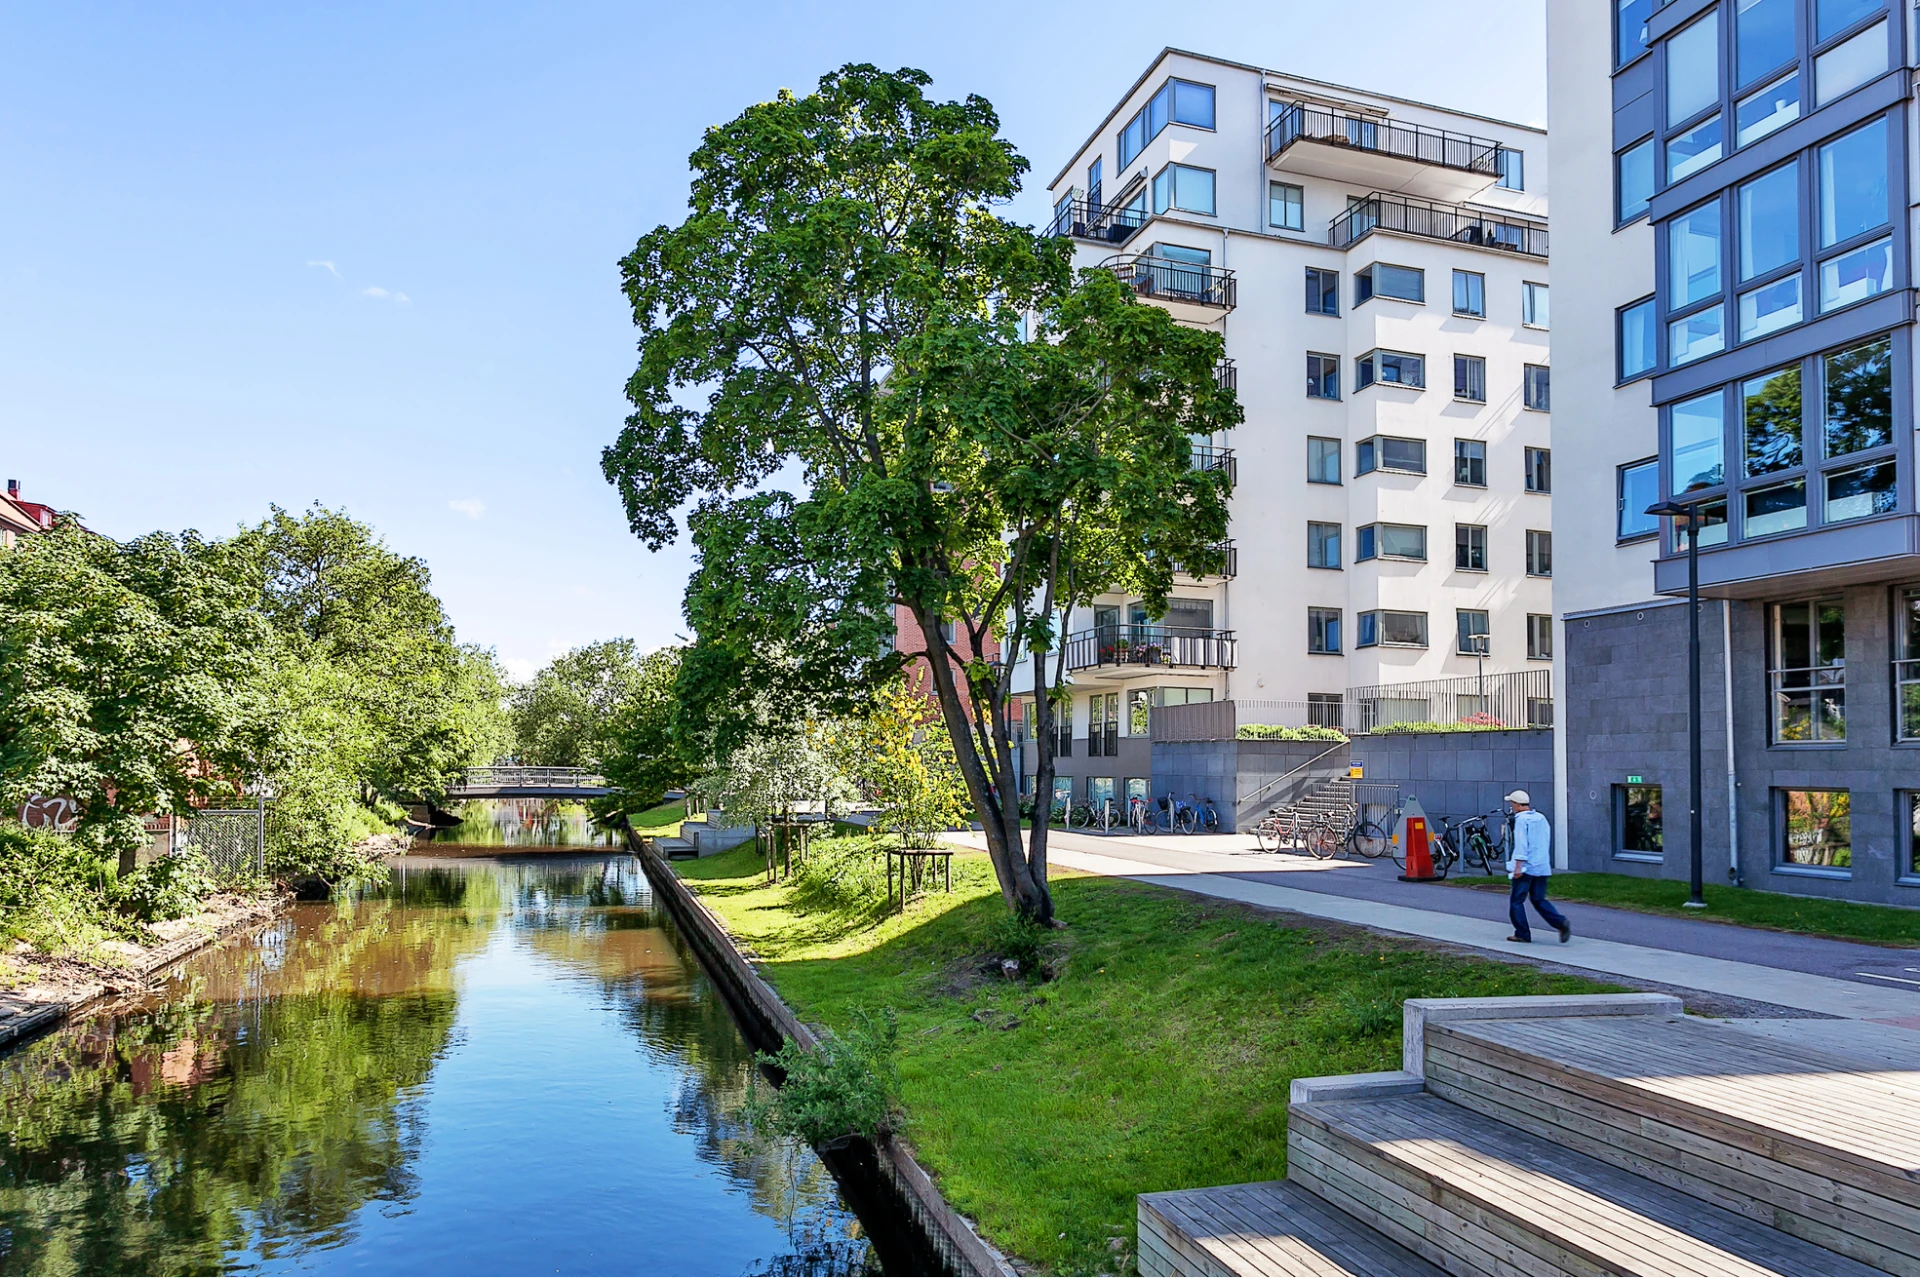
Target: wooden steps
1817 1145
1262 1229
1476 1196
673 848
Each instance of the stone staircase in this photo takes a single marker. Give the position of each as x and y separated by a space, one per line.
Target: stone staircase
1597 1135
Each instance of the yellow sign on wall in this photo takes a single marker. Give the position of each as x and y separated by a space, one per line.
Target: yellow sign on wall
1356 771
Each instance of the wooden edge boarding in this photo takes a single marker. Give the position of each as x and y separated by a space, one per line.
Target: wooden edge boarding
768 1021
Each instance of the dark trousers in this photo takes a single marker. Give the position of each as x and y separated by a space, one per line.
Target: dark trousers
1534 887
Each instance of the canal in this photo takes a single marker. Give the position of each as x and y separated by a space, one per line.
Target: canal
493 1066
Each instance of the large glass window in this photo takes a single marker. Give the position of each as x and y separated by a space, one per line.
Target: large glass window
1809 671
1770 221
1390 453
1470 547
1472 634
1697 336
1386 626
1640 815
1853 184
1323 631
1766 110
1181 101
1693 255
1816 829
1859 492
1906 669
1470 463
1384 280
1856 275
1770 307
1772 422
1323 291
1831 17
1693 69
1323 460
1762 37
1286 206
1469 294
1469 378
1634 181
1184 188
1396 368
1694 150
1779 508
1859 398
1712 519
1323 376
1850 64
1630 28
1699 442
1637 487
1639 348
1323 545
1393 541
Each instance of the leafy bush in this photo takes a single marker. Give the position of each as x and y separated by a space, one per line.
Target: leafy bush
168 888
847 1086
1471 724
56 894
1285 733
1018 938
842 873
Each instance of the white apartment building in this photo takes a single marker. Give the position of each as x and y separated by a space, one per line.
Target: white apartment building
1378 269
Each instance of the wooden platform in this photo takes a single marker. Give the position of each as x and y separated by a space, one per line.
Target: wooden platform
1813 1143
1479 1197
1262 1229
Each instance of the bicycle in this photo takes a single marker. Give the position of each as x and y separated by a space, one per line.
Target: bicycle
1140 816
1440 849
1483 849
1331 832
1205 816
1282 828
1176 815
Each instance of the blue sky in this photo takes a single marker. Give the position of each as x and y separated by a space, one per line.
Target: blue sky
365 254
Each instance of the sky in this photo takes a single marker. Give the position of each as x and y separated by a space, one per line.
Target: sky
365 255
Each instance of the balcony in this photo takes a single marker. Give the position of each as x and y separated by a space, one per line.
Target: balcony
1435 220
1224 562
1226 377
1192 292
1380 154
1103 223
1209 458
1126 649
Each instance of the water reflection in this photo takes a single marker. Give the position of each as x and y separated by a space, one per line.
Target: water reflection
492 1068
525 824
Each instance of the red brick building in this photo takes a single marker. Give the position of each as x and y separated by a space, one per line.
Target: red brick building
18 517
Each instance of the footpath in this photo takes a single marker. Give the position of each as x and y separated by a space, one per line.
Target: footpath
1815 978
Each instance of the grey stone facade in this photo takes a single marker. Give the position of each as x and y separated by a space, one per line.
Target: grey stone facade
1625 714
1460 774
1244 779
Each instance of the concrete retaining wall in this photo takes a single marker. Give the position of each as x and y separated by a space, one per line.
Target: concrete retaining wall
1242 777
1458 774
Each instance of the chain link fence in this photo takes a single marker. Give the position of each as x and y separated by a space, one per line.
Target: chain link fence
229 839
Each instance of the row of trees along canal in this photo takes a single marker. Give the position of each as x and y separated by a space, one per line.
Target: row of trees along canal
986 438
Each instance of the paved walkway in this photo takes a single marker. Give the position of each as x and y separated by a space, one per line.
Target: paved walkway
1839 979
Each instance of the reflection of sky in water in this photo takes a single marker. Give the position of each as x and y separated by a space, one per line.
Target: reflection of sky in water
525 823
496 1068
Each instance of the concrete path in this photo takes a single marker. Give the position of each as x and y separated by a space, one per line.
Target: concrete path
1838 979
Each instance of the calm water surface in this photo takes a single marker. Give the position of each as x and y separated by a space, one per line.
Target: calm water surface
494 1067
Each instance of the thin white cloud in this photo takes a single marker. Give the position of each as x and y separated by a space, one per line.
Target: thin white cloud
322 262
471 508
375 291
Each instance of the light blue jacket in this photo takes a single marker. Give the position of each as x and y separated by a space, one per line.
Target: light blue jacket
1532 845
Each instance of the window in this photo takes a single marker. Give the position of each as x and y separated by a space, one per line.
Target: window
1906 671
1470 378
1694 150
1392 542
1383 280
1847 66
1536 388
1395 368
1712 517
1693 255
1323 631
1539 553
1323 545
1633 181
1323 460
1063 720
1770 430
1808 671
1637 814
1323 292
1286 207
1831 17
1384 626
1770 307
1778 508
1637 485
1472 635
1693 69
1539 471
1630 29
1533 305
1816 829
1390 453
1540 637
1327 710
1638 352
1859 398
1770 221
1180 101
1860 492
1762 37
1184 188
1699 335
1470 463
1323 376
1699 445
1470 547
1856 275
1470 294
1093 180
1773 107
1853 184
1513 169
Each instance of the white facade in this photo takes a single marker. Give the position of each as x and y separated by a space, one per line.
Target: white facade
1269 336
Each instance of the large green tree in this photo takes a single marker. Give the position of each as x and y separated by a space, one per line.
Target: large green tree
565 715
982 438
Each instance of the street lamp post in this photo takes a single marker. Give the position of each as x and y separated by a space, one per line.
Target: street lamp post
1686 515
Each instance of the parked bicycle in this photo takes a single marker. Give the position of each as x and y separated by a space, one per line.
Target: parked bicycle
1485 843
1205 817
1284 827
1140 819
1176 815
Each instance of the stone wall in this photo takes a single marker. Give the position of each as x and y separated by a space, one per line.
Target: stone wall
1460 774
1243 778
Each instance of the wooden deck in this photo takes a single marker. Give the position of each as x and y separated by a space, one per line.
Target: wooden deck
1262 1229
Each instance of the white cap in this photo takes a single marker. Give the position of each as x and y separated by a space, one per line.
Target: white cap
1519 797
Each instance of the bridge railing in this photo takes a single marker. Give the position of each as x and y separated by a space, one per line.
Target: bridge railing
495 776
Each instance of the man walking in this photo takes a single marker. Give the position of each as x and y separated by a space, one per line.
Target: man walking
1529 868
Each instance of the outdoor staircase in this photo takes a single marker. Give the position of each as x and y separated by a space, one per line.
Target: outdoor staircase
1576 1136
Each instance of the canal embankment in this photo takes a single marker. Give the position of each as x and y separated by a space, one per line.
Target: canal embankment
1149 1046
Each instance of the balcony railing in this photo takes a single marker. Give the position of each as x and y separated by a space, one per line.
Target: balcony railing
1224 563
1091 220
1437 220
1225 376
1208 458
1304 122
1165 280
1149 644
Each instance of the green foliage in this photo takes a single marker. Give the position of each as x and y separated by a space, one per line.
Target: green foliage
773 773
846 1086
564 715
1444 726
899 751
843 874
1289 733
56 894
643 754
1020 939
168 887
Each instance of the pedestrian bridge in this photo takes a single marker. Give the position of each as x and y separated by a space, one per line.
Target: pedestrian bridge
520 781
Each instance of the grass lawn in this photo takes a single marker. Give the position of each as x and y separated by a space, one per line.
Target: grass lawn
661 820
1158 1058
1847 921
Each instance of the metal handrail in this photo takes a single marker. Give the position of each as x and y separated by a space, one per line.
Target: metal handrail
1438 220
1298 121
1149 644
1228 560
1209 458
1253 796
1091 220
1226 376
1165 279
527 775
